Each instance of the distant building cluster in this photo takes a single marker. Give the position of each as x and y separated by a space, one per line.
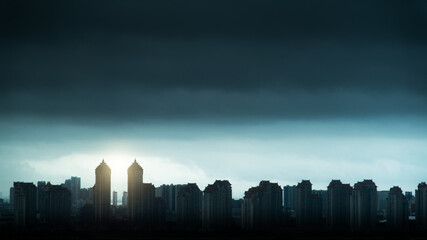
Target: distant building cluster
267 206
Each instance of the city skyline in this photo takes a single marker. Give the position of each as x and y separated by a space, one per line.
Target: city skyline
204 90
135 163
341 208
218 119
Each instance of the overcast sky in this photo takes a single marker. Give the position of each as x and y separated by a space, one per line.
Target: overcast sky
205 90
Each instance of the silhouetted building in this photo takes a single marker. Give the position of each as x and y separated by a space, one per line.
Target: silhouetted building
115 198
147 207
120 213
364 206
87 215
12 197
168 193
134 200
303 204
236 212
188 206
216 206
86 196
55 204
6 215
289 197
338 205
316 210
177 188
323 195
262 206
409 196
40 185
140 198
397 209
411 203
73 185
125 199
102 193
25 203
4 207
421 205
75 189
159 211
382 204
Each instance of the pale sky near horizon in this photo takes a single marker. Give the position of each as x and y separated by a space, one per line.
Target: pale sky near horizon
384 150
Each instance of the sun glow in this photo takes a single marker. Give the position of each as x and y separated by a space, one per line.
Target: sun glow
118 162
157 170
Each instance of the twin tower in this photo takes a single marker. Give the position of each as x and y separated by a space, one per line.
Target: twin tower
102 192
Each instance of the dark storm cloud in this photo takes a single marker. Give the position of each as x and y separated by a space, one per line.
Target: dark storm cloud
217 105
249 18
185 59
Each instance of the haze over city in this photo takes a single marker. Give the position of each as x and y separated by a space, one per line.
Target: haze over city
243 91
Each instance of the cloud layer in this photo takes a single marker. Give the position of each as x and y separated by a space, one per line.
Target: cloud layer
138 60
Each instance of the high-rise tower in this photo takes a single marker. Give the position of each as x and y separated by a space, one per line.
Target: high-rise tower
134 203
397 209
364 206
114 198
303 203
262 206
338 205
102 193
189 199
421 205
25 203
216 206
